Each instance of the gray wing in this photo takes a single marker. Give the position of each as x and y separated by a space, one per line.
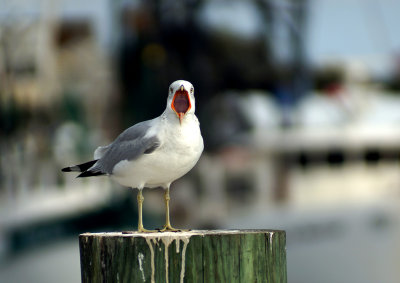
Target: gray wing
129 145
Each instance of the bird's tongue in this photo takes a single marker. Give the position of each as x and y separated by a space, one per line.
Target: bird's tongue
181 102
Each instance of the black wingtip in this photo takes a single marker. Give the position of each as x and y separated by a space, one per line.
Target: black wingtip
66 169
80 167
89 174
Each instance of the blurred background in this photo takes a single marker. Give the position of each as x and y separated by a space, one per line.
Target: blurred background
299 104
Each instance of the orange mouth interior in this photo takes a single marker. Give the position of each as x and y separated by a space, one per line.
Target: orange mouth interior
181 102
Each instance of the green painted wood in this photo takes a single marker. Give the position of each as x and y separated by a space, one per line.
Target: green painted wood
195 256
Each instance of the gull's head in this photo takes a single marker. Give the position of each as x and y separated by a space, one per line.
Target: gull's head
181 99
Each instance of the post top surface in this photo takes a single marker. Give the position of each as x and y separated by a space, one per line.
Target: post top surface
180 234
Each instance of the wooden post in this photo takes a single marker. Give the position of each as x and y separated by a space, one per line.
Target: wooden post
194 256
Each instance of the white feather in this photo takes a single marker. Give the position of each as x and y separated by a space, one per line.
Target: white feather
100 151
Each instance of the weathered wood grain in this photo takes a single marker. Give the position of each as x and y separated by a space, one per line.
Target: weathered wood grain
195 256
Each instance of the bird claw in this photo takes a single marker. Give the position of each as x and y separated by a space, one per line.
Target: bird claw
168 228
143 230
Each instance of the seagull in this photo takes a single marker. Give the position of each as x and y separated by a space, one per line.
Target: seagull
152 153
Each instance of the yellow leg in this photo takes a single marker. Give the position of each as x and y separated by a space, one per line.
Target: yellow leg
140 200
167 226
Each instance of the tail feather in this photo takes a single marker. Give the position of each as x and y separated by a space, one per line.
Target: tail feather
80 167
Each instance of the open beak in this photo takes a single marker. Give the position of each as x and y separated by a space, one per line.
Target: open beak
181 103
180 116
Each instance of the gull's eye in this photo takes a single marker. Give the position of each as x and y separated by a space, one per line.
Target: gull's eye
191 90
170 89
